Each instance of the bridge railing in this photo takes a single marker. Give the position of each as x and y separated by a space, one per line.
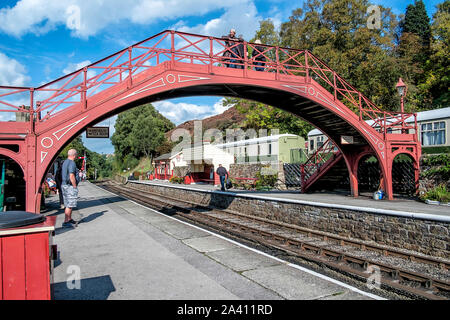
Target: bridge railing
75 88
323 154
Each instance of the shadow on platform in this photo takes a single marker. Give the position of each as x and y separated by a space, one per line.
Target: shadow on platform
82 204
89 218
96 288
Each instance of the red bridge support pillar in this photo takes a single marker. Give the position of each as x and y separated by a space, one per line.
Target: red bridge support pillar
351 160
33 192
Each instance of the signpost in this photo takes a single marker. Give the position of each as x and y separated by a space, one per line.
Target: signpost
97 132
347 140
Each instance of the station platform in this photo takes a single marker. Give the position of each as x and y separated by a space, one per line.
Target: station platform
122 250
399 207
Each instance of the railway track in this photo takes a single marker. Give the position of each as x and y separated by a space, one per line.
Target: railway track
405 273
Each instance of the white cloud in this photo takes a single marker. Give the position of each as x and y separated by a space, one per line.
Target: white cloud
243 17
181 112
71 67
12 73
86 18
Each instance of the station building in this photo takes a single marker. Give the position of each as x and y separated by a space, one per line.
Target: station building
203 159
166 163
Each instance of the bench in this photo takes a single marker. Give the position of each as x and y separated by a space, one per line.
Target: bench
206 180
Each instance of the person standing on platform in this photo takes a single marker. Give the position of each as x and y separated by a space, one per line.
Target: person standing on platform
70 180
223 174
58 180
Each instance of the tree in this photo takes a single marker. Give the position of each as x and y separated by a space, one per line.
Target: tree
417 21
146 136
94 159
336 31
138 132
267 33
437 68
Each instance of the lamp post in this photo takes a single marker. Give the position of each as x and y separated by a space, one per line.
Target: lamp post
401 89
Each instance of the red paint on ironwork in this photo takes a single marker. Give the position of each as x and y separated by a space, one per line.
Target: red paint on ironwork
173 60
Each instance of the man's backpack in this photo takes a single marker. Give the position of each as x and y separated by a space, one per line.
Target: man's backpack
58 173
229 184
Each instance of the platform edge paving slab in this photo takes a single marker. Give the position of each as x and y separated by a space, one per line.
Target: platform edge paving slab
294 284
208 243
241 259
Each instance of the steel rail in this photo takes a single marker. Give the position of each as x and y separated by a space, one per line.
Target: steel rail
304 248
325 235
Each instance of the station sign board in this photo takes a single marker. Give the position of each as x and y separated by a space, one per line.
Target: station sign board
97 132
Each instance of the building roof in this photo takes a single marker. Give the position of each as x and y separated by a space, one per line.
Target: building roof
166 156
432 115
254 140
421 116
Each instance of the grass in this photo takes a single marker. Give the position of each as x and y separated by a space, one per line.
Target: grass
144 166
438 193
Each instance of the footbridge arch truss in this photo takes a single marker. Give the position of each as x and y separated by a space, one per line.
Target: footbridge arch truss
36 123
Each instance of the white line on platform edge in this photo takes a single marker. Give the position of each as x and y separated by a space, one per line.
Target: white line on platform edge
319 275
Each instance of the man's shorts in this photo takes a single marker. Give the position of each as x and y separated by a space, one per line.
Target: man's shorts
70 195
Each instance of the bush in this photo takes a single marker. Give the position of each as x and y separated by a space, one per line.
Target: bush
45 190
136 174
265 180
439 166
130 162
437 160
236 183
438 193
175 179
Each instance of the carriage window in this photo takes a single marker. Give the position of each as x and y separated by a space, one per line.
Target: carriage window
319 141
433 133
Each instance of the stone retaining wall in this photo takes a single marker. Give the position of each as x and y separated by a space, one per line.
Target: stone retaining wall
428 237
245 170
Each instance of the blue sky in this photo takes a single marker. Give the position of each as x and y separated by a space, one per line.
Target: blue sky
39 44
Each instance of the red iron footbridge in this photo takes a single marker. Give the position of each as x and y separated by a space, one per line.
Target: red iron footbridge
36 123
